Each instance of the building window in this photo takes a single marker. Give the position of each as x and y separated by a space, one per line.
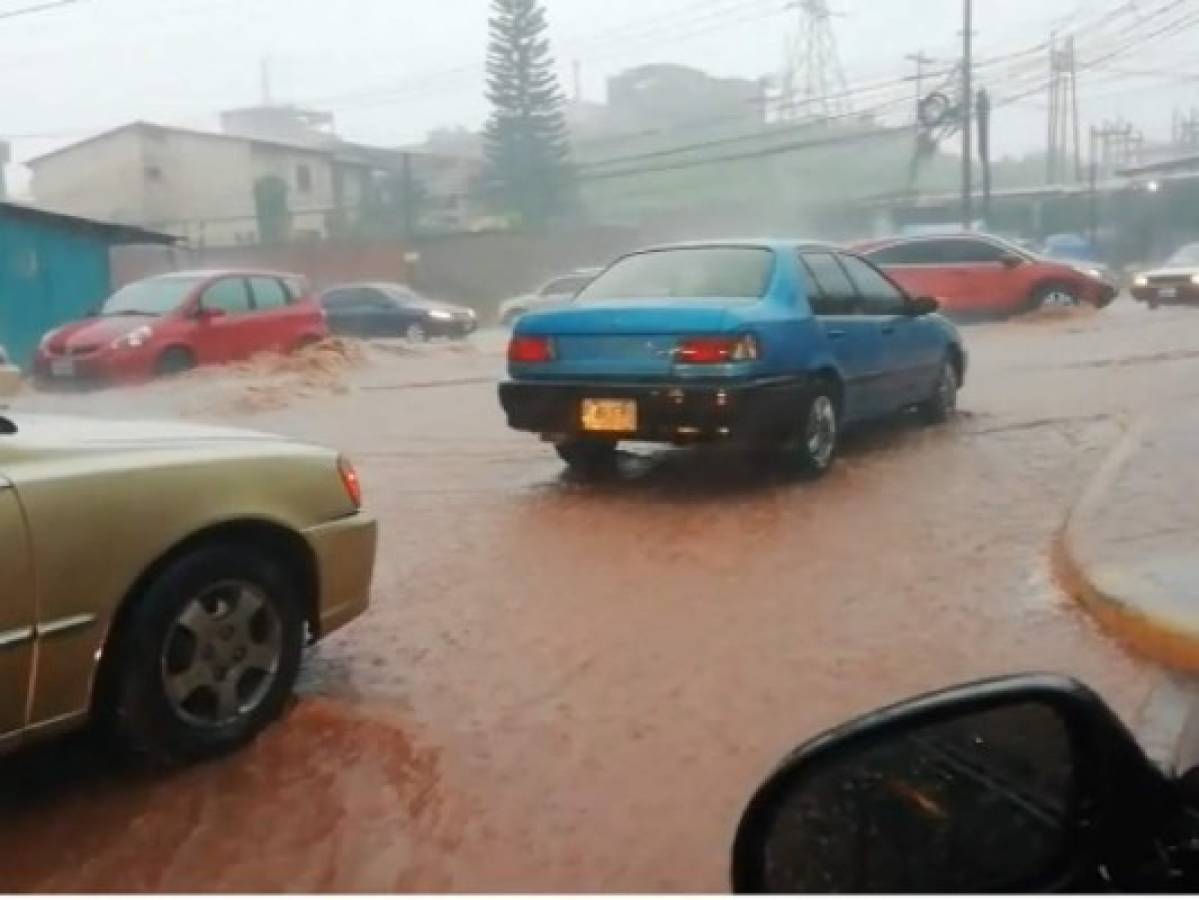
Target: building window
303 179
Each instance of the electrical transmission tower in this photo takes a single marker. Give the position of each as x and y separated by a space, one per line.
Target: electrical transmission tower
814 85
1064 143
1186 130
1116 144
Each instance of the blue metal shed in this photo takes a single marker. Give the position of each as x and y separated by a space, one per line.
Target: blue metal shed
54 268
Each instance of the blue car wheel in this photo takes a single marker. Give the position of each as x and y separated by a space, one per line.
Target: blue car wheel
816 441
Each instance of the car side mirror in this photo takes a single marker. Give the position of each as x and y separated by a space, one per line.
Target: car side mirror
1018 784
922 306
207 314
1011 260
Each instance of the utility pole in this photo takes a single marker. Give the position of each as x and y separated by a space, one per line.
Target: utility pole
967 114
1074 108
920 61
1051 153
984 151
408 193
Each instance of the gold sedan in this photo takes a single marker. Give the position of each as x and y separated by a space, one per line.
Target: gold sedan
162 578
10 375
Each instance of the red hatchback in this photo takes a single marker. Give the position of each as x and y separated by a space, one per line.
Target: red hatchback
979 275
171 323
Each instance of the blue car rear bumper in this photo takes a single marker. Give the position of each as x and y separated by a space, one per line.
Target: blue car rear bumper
666 411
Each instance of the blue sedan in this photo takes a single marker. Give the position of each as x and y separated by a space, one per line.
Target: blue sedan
777 345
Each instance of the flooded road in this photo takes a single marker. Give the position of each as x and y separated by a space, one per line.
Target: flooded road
575 687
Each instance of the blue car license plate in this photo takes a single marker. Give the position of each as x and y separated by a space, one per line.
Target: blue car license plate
608 415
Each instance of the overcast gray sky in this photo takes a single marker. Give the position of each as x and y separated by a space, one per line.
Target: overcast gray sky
392 69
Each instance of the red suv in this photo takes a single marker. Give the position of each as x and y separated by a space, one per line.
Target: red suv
171 323
981 275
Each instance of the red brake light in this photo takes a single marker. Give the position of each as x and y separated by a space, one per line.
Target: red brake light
524 349
350 480
715 350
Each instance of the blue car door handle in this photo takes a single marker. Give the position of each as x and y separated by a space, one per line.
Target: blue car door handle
888 328
835 335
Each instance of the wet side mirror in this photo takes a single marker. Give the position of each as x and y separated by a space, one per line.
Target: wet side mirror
207 314
1008 785
1011 260
922 306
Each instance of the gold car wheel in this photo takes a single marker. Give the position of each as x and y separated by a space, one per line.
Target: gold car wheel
222 654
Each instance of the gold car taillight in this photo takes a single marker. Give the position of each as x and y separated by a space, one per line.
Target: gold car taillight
350 480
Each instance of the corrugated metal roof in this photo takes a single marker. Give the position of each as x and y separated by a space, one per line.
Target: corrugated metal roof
113 232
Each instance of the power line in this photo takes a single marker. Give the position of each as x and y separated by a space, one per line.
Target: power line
689 24
742 138
762 153
37 8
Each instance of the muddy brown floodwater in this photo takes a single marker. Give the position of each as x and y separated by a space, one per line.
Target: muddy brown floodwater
575 687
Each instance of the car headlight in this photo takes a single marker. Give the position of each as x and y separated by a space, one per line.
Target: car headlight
440 314
1141 281
134 339
1195 279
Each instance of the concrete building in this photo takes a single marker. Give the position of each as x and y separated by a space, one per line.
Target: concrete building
204 186
666 94
194 184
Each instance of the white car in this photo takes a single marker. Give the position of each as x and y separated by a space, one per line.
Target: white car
10 375
556 290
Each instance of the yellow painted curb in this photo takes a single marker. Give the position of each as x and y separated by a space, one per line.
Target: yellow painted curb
1156 639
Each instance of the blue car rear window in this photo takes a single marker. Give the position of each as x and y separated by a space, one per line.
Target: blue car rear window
728 273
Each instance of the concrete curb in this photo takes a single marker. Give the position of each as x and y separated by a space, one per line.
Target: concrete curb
1078 565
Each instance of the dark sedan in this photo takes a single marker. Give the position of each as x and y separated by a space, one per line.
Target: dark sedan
393 310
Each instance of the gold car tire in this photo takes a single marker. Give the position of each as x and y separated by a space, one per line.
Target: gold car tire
203 593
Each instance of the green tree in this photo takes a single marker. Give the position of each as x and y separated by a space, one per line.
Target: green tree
527 152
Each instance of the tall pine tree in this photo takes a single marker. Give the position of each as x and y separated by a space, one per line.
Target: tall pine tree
528 169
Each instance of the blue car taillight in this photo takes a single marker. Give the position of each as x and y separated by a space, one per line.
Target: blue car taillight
716 350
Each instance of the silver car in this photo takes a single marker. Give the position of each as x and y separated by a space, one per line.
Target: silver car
556 290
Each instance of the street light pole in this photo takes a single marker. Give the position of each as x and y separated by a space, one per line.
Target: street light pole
967 114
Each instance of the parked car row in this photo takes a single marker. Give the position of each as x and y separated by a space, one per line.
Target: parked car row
970 275
172 323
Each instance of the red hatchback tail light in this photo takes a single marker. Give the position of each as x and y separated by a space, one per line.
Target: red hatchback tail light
715 350
526 349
